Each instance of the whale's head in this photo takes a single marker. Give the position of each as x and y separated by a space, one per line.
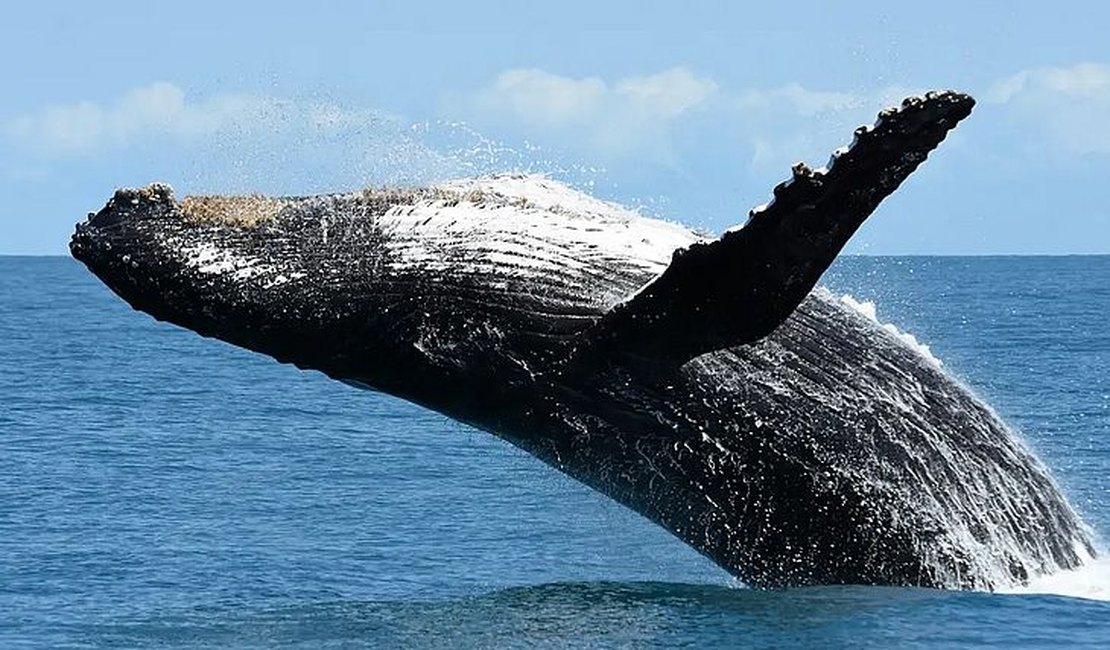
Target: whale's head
416 292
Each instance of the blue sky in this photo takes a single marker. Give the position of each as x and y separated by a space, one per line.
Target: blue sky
691 113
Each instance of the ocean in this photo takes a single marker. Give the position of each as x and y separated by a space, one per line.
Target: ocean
161 490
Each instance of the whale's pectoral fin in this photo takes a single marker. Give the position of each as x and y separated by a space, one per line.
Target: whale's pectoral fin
739 288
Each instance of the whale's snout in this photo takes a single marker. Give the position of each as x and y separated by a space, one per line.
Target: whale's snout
118 243
180 261
103 233
298 279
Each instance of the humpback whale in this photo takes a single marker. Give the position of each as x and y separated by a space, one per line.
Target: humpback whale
706 383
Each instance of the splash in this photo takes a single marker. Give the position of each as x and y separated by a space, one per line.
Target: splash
304 147
867 309
1091 581
1089 577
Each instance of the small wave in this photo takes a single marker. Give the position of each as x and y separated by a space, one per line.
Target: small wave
867 309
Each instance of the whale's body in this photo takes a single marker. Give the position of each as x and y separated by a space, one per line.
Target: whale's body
778 431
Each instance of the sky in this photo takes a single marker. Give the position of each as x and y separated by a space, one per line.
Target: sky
689 111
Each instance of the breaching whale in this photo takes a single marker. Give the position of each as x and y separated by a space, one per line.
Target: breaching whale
704 383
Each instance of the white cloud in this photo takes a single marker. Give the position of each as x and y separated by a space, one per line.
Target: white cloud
667 94
640 117
796 99
157 110
538 97
241 142
1070 104
631 114
1083 80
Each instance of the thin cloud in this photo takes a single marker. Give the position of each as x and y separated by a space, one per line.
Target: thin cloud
796 99
1068 105
544 99
156 110
241 142
631 114
667 94
645 117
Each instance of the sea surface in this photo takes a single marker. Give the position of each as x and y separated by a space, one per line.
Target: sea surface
161 490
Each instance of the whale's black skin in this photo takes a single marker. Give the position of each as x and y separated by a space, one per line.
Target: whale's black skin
779 432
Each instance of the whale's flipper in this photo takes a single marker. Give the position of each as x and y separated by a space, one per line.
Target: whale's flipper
739 288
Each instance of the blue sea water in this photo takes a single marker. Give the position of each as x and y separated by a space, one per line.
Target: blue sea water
162 490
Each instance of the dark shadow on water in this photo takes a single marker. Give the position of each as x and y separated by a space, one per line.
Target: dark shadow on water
634 614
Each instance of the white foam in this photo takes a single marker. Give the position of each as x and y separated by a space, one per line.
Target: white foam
1090 581
867 309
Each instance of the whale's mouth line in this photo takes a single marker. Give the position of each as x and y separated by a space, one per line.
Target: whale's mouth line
704 384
